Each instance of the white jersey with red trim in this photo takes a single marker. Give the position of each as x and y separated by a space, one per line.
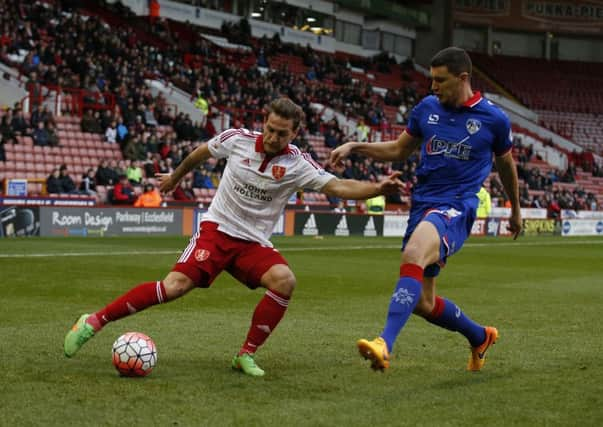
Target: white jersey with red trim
255 187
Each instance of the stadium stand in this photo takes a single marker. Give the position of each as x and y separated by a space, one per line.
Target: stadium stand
237 75
569 100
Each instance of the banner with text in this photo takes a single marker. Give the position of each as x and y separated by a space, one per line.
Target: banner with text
324 224
47 201
582 227
533 15
62 221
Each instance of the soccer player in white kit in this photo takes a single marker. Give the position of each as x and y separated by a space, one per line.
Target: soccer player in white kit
262 172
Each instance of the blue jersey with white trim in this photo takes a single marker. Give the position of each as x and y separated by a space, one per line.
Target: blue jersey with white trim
456 153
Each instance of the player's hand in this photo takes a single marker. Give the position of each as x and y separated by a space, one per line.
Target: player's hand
338 154
391 184
515 224
166 183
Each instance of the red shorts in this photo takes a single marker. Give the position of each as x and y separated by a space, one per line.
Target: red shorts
210 252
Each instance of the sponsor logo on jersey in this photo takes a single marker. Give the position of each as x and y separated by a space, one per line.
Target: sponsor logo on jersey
201 255
252 192
433 119
473 126
456 150
278 171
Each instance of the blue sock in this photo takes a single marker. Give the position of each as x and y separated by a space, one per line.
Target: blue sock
403 302
447 314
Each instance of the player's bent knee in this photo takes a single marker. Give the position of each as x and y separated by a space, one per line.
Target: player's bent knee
281 279
177 284
424 307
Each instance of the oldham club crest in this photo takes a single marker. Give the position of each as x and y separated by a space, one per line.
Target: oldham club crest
201 255
278 171
473 126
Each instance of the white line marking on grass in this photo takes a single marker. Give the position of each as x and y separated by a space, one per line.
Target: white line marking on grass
303 249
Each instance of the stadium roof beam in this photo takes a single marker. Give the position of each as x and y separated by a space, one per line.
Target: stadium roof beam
392 10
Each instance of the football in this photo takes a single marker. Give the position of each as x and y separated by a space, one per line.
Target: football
134 354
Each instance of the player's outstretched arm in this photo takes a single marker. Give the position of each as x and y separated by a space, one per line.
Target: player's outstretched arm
168 182
399 149
508 175
352 189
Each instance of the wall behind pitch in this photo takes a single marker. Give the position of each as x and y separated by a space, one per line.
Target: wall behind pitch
63 221
520 44
580 49
16 221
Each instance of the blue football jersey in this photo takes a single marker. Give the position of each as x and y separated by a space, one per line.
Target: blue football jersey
456 153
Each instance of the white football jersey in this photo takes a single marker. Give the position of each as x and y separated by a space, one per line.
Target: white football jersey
255 187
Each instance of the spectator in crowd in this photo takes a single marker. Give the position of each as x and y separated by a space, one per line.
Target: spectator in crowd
19 124
524 195
90 123
340 207
2 152
135 148
40 135
150 198
88 183
134 173
53 138
104 174
201 179
66 182
36 117
362 131
122 130
485 203
6 130
553 208
184 191
123 193
401 114
111 133
53 182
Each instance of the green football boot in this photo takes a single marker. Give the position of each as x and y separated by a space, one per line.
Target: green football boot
246 364
78 335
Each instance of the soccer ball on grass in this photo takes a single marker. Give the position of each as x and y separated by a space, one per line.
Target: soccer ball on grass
134 354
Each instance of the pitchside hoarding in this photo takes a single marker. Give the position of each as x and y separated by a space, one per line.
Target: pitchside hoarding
62 221
582 227
16 221
279 227
324 224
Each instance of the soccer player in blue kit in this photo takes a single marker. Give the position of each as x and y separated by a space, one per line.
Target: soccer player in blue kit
457 131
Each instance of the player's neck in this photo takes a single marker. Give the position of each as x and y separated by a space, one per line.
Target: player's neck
466 95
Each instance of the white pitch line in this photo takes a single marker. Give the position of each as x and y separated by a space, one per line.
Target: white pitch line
304 249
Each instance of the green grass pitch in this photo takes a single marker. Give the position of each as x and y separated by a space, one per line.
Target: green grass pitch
544 295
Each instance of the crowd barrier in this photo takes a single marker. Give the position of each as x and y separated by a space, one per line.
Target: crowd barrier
51 219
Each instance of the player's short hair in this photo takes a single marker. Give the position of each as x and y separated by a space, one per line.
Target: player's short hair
287 109
454 58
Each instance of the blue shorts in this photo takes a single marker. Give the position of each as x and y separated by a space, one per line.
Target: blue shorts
453 222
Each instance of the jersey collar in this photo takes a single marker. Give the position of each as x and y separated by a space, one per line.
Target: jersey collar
474 100
259 148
